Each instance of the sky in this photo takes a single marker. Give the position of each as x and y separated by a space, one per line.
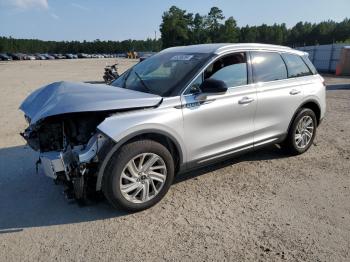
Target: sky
140 19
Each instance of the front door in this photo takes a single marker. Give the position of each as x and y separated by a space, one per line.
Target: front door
220 124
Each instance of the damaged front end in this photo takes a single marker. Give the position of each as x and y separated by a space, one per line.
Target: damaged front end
63 119
69 147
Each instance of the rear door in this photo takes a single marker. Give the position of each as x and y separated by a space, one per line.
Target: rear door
279 95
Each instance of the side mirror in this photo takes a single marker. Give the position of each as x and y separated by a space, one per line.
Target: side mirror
213 86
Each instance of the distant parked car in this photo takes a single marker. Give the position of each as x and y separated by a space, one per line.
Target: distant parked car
82 55
69 56
29 57
123 55
40 57
57 56
50 57
11 55
5 57
75 56
16 56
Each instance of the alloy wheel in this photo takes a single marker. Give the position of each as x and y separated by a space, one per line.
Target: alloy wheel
143 177
304 132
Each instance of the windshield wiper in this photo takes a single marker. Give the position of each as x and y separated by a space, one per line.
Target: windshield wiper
142 82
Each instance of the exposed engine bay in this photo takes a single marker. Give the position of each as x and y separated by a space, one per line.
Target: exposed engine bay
69 146
57 132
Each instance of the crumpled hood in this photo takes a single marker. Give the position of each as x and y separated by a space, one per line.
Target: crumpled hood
68 97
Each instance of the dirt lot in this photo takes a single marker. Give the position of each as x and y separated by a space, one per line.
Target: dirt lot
262 206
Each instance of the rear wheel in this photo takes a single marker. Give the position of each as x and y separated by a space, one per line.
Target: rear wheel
302 132
139 175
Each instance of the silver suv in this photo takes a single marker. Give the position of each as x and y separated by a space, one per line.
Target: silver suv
180 109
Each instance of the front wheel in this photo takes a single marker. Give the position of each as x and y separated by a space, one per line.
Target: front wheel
138 175
302 132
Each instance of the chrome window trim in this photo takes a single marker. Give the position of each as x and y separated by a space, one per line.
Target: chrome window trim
246 50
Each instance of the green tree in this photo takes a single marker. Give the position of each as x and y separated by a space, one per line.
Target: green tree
323 33
199 34
175 28
342 30
213 23
248 34
229 33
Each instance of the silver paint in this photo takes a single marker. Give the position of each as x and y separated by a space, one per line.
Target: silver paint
204 127
68 97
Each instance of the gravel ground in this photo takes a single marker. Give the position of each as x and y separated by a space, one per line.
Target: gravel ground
263 206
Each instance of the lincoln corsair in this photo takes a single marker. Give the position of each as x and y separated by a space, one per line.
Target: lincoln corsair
181 108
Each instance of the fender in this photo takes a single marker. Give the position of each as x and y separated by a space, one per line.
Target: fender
127 138
165 120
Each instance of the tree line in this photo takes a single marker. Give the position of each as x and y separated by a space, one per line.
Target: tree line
180 27
31 46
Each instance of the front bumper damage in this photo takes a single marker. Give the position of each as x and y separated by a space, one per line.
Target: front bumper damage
75 167
65 162
52 164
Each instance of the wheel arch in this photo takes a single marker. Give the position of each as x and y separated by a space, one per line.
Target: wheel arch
314 106
160 136
311 104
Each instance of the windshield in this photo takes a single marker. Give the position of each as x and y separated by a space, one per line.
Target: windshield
162 73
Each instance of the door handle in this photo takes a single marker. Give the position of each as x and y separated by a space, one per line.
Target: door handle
245 100
294 92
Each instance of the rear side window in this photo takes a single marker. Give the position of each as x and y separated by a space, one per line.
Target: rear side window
309 64
296 66
268 66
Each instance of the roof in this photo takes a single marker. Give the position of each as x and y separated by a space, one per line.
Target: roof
223 48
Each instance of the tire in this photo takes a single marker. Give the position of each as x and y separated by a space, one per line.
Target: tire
295 143
123 173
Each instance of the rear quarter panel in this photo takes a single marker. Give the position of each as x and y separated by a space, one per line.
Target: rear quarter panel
315 90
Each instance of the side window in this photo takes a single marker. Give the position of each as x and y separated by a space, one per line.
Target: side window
268 66
309 64
295 65
232 69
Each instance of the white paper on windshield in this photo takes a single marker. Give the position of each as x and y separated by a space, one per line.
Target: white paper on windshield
181 58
